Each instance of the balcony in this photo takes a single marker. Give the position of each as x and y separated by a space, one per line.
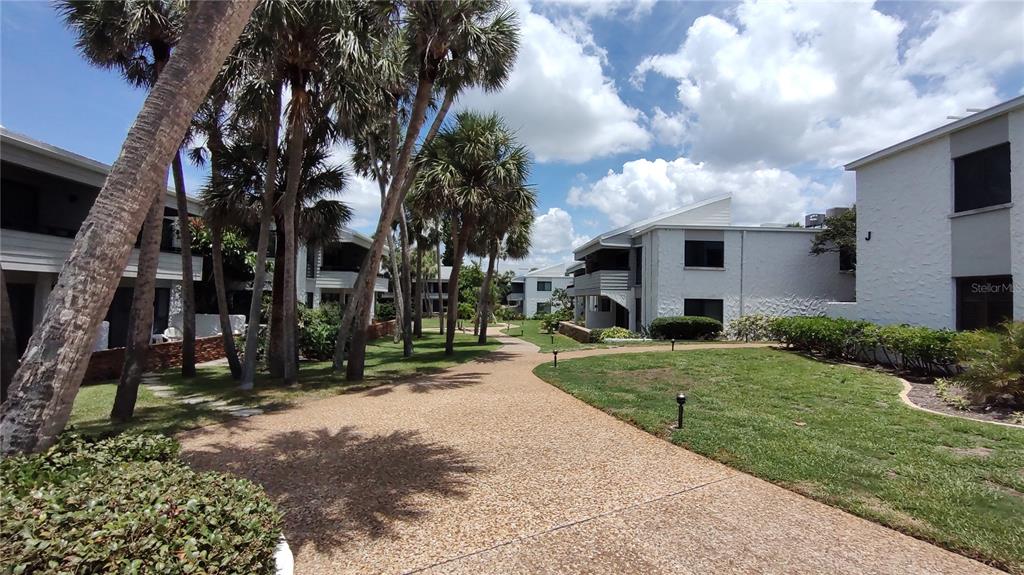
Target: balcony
515 296
32 252
601 281
345 280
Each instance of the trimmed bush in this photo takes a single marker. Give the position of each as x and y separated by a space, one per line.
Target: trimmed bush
125 505
549 321
686 327
993 364
752 328
599 335
318 331
384 312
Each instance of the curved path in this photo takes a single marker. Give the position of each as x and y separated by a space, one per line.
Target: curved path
486 469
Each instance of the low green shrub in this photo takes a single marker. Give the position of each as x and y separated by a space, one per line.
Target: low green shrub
601 334
466 310
549 321
126 505
507 313
754 327
686 327
951 394
831 337
318 331
384 312
261 344
993 363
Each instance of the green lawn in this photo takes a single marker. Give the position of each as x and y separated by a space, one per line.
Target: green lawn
384 364
835 433
530 330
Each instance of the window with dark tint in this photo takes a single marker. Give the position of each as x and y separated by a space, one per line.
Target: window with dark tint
704 307
309 299
983 301
704 254
982 179
543 286
543 307
330 297
605 303
311 264
638 272
847 260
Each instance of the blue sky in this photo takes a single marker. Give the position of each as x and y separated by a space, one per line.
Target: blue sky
634 108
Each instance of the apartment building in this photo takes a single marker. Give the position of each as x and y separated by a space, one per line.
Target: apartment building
693 261
532 291
940 225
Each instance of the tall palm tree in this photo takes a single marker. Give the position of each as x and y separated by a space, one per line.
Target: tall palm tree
508 233
471 171
438 34
44 387
135 38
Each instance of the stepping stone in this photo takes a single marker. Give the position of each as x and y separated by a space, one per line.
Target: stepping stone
195 399
240 411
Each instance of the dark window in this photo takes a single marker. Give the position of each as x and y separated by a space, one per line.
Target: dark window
703 254
983 302
704 307
330 297
543 286
311 263
517 287
982 179
22 299
636 312
605 303
161 309
847 260
543 307
309 299
638 273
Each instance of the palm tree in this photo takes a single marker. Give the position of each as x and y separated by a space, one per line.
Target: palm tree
470 172
439 36
514 237
44 387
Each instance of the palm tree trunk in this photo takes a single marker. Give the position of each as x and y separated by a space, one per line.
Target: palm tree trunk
140 323
460 237
356 315
227 334
296 142
188 293
275 343
440 286
417 292
397 281
403 235
485 292
252 330
8 341
44 387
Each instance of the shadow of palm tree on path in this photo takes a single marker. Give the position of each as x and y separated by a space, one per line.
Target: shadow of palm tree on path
335 487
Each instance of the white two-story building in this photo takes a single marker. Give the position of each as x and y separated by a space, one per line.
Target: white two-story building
940 225
532 291
693 261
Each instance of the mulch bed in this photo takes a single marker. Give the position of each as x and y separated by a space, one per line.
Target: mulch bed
923 393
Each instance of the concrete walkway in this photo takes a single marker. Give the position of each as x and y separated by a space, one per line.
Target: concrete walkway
487 469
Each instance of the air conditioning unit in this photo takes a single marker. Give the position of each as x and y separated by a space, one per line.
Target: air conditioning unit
814 220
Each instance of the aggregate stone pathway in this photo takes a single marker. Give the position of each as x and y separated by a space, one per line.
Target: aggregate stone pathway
487 469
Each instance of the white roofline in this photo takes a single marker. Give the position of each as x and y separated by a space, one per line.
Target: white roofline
976 118
727 228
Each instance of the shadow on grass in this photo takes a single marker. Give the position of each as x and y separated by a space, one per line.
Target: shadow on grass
335 487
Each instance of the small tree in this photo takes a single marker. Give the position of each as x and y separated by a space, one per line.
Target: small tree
562 298
838 236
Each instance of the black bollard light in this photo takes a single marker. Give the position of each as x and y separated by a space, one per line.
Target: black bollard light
555 352
552 339
681 400
673 345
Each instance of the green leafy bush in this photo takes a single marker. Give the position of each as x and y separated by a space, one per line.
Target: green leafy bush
318 331
261 344
384 312
549 321
601 334
507 313
752 328
993 363
467 310
918 349
686 327
126 505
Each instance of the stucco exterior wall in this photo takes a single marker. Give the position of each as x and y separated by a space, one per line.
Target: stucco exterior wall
1017 211
904 271
531 297
765 272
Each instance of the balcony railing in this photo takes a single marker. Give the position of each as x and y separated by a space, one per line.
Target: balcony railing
599 281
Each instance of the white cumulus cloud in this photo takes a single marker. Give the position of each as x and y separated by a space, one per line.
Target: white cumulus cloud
558 98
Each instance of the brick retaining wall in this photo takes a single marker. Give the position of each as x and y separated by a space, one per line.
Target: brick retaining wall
380 329
106 364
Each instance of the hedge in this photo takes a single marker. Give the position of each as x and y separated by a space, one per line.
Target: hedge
913 348
127 505
686 327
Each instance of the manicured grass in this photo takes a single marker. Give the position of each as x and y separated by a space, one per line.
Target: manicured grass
384 364
835 433
530 330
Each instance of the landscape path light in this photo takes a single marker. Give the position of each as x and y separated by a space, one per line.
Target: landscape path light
681 400
555 353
